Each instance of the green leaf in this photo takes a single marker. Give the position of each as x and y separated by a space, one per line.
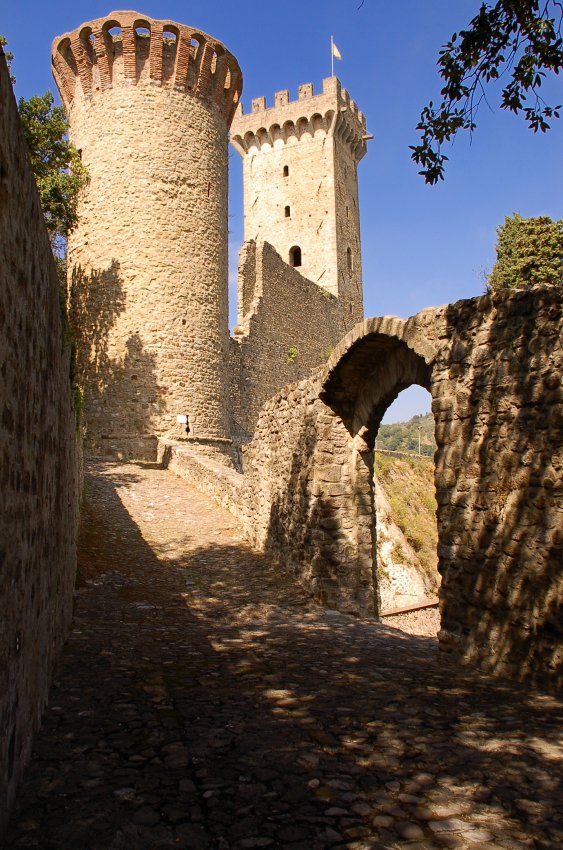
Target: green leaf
515 39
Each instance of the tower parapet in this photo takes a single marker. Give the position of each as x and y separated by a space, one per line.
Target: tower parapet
300 182
288 121
149 105
128 48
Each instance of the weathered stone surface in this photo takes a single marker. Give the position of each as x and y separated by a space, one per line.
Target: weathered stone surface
300 184
154 344
304 728
300 191
498 472
38 456
287 325
148 260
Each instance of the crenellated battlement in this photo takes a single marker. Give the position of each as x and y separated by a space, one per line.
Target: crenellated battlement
127 48
331 112
331 86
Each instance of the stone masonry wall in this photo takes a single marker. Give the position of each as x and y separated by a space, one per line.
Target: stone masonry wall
300 184
38 469
287 326
347 227
493 366
149 108
302 502
499 482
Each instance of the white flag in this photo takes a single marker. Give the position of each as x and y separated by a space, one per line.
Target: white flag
336 51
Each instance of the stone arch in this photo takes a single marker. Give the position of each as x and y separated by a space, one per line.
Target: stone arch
303 127
376 361
220 72
250 141
142 27
276 134
65 69
367 370
264 140
144 42
112 28
168 55
198 51
318 124
290 133
112 41
87 38
295 256
493 368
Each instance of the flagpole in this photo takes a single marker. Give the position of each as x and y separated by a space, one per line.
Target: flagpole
332 56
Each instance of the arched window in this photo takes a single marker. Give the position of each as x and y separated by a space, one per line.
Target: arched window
295 256
286 171
287 212
349 260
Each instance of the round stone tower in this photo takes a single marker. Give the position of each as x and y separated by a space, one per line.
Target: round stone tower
149 105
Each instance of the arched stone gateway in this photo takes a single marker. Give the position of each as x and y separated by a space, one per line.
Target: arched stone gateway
365 374
371 366
493 368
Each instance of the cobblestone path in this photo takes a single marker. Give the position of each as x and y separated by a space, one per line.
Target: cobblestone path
203 702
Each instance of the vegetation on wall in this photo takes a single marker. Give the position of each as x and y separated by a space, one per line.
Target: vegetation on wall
55 161
56 164
60 176
403 436
529 252
9 56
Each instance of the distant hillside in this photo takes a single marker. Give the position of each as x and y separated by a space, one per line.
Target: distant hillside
403 436
407 535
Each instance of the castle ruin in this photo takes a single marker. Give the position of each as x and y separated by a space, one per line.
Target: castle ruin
150 103
149 106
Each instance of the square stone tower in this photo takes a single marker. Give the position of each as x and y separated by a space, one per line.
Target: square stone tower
300 184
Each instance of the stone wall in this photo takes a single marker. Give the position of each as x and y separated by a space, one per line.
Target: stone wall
149 105
302 502
224 485
499 481
300 184
38 469
493 367
287 326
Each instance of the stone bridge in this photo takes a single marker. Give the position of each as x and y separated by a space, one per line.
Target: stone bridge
493 367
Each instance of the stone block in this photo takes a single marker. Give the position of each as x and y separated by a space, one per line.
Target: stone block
331 474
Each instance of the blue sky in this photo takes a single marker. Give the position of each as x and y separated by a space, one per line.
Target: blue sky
422 246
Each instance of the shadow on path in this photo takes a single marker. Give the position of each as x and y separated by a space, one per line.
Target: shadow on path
203 702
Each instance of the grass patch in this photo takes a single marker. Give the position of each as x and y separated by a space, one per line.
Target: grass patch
408 484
